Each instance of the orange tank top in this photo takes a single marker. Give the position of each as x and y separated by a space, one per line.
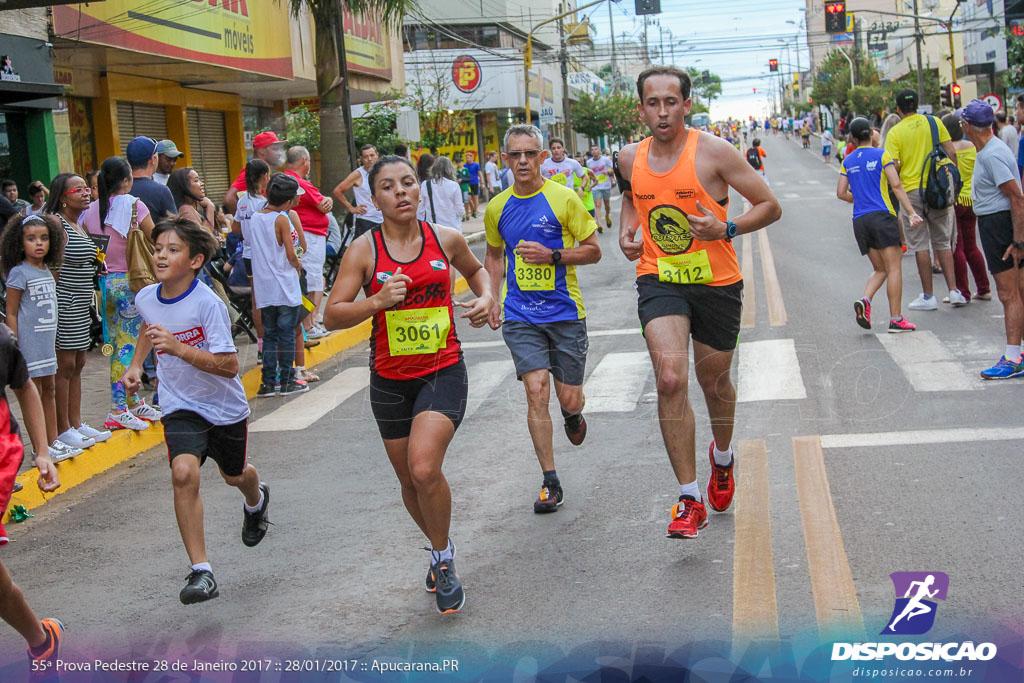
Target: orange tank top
663 200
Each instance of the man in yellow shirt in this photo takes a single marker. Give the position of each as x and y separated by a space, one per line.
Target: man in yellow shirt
909 143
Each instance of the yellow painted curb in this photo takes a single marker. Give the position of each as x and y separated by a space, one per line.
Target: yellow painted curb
125 443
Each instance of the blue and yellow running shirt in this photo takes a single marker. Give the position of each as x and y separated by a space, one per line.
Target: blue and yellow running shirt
863 168
553 216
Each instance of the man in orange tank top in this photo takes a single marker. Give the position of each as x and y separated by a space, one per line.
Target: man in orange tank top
675 189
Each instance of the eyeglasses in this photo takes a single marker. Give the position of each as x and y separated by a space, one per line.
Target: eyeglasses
79 190
528 153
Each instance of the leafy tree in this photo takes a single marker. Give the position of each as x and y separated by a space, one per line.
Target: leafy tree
833 84
1014 76
377 125
624 121
327 15
909 80
303 127
440 113
704 90
590 116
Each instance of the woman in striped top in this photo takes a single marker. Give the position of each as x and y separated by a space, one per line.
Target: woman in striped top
69 198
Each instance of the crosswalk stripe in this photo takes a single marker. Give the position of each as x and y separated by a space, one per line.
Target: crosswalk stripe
749 314
484 378
616 383
772 290
926 362
310 407
769 371
755 610
835 597
791 195
922 437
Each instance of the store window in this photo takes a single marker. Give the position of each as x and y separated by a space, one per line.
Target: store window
6 165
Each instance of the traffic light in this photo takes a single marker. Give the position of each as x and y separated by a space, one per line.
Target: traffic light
955 89
946 96
647 7
835 17
773 65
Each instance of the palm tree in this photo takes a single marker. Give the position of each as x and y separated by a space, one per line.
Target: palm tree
336 159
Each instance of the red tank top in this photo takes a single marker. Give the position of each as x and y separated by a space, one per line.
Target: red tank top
416 337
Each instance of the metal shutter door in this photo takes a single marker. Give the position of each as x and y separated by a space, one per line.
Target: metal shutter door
208 139
134 119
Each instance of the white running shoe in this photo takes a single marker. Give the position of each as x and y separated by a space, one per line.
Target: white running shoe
72 437
316 332
956 298
146 412
922 304
125 420
61 451
94 434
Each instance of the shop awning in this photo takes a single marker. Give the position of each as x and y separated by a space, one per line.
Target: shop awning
19 91
25 4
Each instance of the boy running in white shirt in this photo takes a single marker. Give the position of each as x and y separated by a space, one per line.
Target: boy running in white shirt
205 412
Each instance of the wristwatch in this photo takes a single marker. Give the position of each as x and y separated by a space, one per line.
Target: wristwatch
556 256
730 231
1019 245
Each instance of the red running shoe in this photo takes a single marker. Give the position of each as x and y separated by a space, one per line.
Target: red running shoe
722 484
688 516
862 307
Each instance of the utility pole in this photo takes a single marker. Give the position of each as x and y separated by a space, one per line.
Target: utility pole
661 44
647 53
611 32
917 44
566 129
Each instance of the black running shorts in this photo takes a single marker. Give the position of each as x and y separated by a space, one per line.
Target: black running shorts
395 402
714 311
996 232
188 432
876 230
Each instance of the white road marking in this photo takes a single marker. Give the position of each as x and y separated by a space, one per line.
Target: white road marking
811 182
591 334
769 371
616 383
791 195
483 379
922 437
926 363
310 407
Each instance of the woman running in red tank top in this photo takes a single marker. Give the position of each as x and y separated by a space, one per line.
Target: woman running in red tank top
418 383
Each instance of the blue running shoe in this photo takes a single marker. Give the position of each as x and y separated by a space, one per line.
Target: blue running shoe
1004 369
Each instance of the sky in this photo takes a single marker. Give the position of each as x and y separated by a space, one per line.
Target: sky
732 38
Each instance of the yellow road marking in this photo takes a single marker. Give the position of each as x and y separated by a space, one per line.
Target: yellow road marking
776 307
749 297
755 611
835 598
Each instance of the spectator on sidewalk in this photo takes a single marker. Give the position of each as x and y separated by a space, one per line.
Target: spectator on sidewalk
367 216
167 157
142 155
111 216
265 146
312 209
10 190
473 170
909 143
1006 132
92 179
69 199
491 175
37 194
441 196
999 205
966 252
424 165
189 195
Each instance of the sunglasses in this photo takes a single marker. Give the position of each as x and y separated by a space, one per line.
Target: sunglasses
528 153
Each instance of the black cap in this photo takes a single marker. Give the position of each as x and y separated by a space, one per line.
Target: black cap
906 100
281 188
860 128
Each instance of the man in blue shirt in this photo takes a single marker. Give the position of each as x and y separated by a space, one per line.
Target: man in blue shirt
142 157
474 181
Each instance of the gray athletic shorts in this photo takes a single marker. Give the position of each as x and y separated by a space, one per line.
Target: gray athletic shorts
606 193
560 347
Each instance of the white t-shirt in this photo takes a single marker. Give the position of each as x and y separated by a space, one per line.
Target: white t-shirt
161 178
363 197
1009 135
200 319
448 206
491 169
826 138
562 171
274 280
602 167
247 206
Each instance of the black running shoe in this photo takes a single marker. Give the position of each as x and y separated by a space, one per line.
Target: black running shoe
550 498
448 588
294 387
576 429
254 524
265 391
201 587
431 573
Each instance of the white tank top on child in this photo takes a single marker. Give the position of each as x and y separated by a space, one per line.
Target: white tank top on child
274 280
362 194
247 206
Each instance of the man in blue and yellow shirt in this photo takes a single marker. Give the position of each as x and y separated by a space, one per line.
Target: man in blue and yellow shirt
532 231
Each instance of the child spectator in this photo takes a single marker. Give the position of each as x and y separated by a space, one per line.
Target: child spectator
30 246
205 412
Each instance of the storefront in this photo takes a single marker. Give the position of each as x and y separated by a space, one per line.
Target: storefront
27 99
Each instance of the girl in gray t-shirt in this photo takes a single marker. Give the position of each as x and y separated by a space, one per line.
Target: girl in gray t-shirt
30 246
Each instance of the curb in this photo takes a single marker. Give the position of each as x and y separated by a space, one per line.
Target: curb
125 444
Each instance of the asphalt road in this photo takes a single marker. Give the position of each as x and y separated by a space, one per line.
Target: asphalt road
877 481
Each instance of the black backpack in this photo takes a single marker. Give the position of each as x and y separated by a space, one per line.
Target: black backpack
754 158
940 178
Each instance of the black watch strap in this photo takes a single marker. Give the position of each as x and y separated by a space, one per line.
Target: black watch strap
556 256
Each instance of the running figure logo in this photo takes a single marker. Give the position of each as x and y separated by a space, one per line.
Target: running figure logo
914 613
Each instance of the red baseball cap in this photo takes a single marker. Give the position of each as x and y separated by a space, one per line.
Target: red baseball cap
266 140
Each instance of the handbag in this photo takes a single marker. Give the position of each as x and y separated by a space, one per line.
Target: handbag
139 255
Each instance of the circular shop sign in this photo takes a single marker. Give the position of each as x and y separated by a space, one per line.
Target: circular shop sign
466 73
